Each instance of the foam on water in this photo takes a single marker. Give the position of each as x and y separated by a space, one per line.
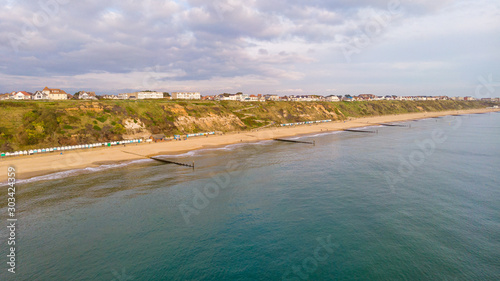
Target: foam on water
75 172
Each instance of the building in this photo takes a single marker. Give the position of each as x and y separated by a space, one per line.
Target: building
141 95
157 137
250 98
304 98
149 95
208 97
234 97
39 95
110 97
186 96
332 98
272 97
55 94
84 95
22 95
5 96
367 96
126 96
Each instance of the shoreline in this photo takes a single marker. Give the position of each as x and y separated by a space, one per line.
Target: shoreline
40 165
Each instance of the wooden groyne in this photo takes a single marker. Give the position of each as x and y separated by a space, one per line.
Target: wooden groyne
361 131
296 141
172 162
163 160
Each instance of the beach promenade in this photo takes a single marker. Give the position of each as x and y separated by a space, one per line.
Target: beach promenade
37 165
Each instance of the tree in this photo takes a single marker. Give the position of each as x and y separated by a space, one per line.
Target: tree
165 94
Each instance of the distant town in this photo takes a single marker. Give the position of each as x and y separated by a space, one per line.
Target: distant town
58 94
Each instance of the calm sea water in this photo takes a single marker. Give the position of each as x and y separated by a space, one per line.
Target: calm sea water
419 203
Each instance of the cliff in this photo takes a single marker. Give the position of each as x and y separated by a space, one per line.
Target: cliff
33 124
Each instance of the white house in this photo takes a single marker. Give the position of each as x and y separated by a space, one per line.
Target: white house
250 98
332 98
22 96
186 96
272 97
110 97
55 94
39 95
126 96
141 95
84 95
149 95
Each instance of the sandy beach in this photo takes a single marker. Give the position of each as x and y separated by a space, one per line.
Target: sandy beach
37 165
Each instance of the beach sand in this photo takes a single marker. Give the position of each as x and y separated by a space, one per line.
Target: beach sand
37 165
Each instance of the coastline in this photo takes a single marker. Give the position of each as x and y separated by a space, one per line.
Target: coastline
40 165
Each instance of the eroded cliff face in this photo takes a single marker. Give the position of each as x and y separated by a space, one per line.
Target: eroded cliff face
135 129
209 123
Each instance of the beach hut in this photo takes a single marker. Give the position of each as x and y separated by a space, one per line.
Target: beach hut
2 154
25 152
157 137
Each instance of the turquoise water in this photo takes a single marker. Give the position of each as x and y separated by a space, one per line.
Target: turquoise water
419 203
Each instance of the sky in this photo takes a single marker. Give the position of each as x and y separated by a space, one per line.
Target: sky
382 47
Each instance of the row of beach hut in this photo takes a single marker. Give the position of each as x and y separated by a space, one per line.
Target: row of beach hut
66 148
305 123
200 134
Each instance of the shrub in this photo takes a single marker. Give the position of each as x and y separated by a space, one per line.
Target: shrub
119 129
102 119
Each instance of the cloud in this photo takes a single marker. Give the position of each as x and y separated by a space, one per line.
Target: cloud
110 46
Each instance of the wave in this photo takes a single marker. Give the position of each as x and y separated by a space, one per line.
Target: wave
81 171
324 134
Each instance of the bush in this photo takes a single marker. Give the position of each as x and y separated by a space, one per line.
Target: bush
102 119
118 129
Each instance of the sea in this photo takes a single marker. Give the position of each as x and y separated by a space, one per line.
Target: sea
417 201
